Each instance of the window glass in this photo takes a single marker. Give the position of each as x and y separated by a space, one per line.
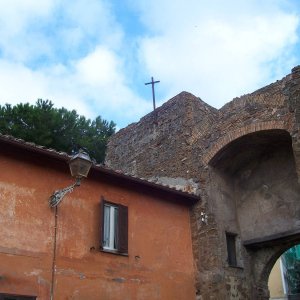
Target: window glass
110 230
114 227
106 226
231 248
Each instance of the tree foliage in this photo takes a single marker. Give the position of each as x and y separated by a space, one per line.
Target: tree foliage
59 129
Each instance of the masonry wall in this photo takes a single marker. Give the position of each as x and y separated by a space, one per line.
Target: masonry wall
184 154
160 146
159 264
254 191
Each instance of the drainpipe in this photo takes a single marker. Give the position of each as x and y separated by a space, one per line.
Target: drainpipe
54 256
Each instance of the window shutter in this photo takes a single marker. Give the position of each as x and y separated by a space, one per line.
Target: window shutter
123 229
101 222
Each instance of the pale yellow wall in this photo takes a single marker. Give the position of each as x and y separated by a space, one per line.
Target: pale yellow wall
275 282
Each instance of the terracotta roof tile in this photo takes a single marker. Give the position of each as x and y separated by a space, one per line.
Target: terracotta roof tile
65 156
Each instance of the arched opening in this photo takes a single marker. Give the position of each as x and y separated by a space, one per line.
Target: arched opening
256 185
255 193
253 146
284 278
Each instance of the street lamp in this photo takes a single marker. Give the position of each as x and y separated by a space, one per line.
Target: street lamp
79 165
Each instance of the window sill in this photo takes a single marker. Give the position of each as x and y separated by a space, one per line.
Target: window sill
115 252
235 267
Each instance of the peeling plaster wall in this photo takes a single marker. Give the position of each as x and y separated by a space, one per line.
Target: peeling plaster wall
159 264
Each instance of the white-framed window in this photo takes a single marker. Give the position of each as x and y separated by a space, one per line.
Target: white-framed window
110 227
114 227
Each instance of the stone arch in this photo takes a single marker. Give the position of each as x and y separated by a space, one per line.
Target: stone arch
271 255
239 132
254 200
263 260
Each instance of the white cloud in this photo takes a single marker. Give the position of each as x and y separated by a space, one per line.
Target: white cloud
77 54
40 30
65 52
21 84
18 39
216 50
101 76
90 22
94 85
99 68
16 14
14 78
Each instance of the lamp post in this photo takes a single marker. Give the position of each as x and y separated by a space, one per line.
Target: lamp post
79 165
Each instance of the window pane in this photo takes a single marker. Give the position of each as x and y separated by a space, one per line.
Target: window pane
110 235
114 227
106 226
231 249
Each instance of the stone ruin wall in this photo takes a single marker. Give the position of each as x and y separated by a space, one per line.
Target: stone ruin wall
182 135
160 146
174 144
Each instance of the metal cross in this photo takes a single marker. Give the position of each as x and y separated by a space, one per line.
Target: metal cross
152 82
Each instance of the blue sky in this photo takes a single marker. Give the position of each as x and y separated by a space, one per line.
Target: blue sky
95 55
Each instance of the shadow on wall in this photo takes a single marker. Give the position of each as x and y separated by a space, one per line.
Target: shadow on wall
257 178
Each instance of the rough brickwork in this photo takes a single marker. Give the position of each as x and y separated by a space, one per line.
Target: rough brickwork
243 161
149 147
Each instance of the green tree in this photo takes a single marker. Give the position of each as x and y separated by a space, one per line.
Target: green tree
59 129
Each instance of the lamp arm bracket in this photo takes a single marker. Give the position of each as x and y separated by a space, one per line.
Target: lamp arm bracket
58 195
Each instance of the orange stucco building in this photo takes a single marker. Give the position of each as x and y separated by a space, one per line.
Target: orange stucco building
48 253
